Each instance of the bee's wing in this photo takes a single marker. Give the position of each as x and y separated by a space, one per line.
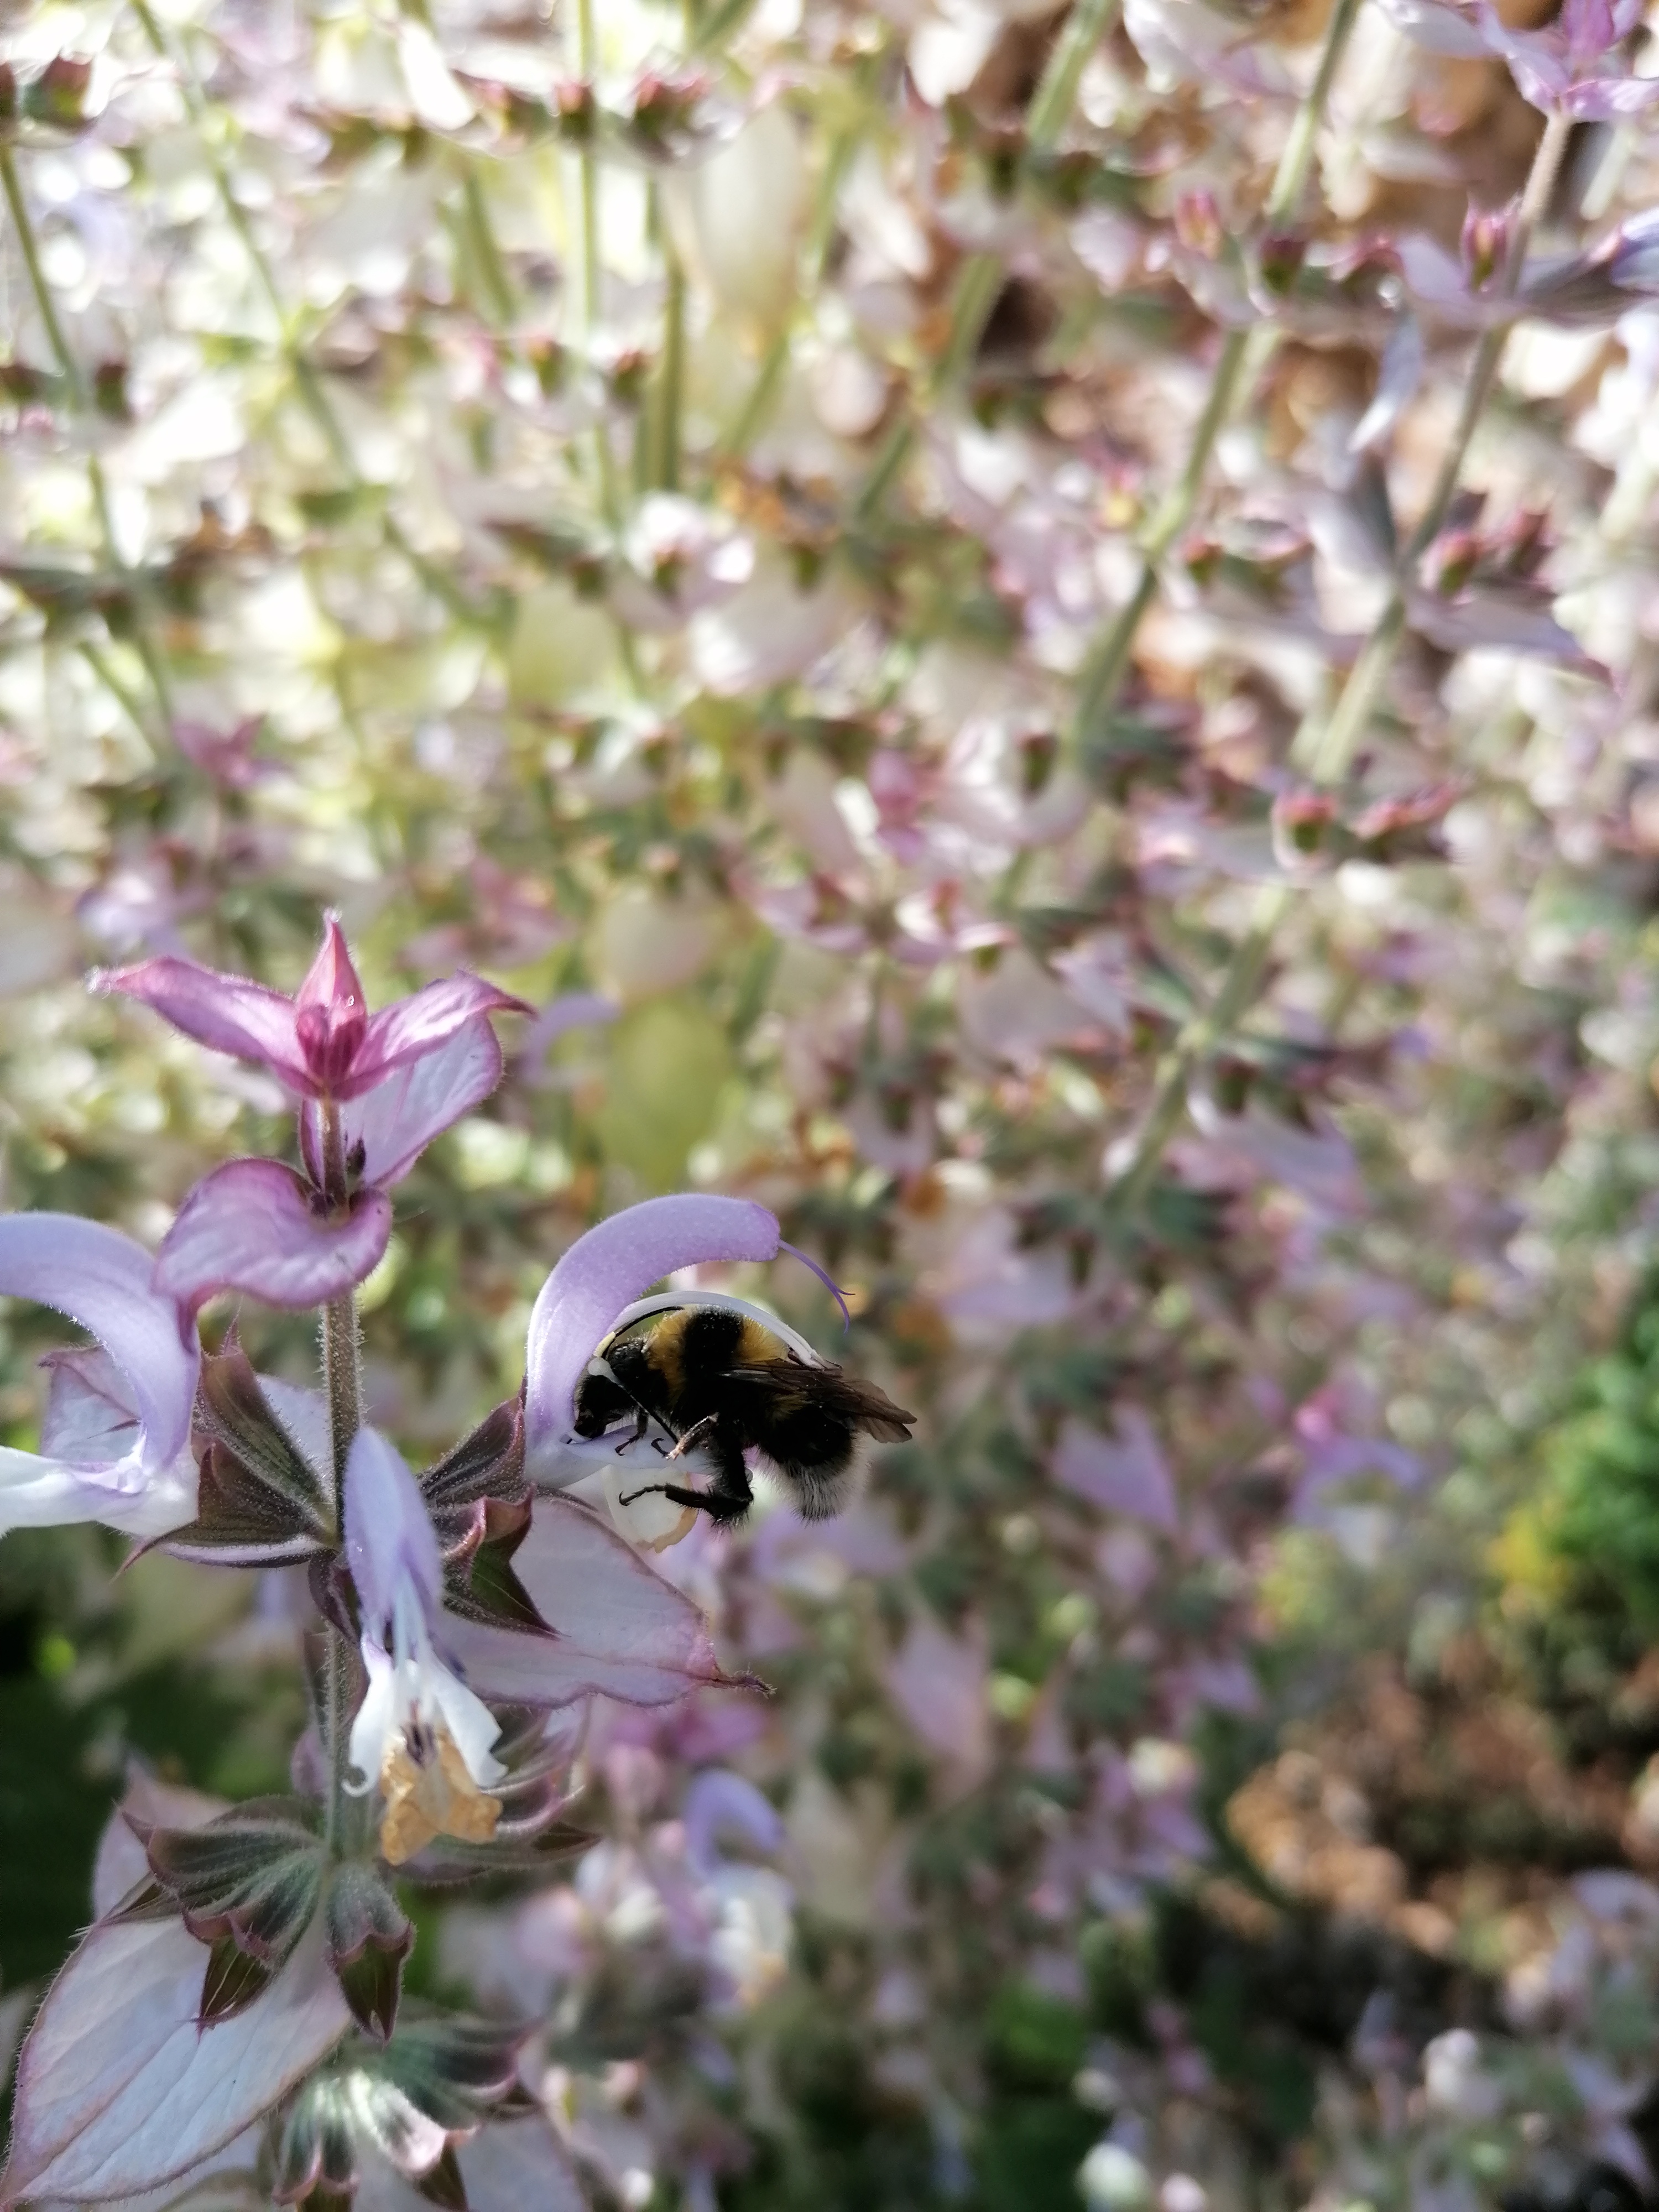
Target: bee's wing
791 1384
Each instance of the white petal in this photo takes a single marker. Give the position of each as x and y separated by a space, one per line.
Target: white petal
471 1723
377 1718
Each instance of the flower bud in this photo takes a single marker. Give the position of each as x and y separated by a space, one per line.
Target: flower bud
1198 224
1487 235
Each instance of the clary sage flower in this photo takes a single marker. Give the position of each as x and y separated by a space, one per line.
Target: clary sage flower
462 1608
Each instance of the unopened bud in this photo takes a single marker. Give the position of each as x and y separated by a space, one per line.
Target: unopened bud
1280 259
578 110
1449 561
1198 224
1486 233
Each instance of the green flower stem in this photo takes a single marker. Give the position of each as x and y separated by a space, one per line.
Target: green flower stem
758 404
342 1339
1323 751
81 400
1243 357
492 270
721 24
307 383
671 394
980 279
336 1742
342 1343
591 293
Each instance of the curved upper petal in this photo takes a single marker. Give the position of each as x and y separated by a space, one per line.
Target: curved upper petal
422 1022
229 1012
396 1120
389 1534
605 1269
249 1226
105 1281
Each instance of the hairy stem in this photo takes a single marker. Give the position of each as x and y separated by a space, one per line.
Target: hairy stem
342 1339
342 1383
1323 751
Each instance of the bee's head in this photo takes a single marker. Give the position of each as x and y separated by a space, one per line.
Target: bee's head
600 1400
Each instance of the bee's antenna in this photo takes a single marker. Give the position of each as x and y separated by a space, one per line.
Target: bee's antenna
828 1281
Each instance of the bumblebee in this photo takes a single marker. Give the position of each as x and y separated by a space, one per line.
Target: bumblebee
721 1377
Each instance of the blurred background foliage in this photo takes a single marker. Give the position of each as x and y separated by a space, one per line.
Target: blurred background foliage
624 499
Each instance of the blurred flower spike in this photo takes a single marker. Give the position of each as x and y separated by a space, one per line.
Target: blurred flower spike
1572 66
374 1090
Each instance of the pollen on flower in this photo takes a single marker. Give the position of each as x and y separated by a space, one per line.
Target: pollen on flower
429 1792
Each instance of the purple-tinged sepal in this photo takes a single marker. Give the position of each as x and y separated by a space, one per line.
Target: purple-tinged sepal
368 1936
410 2102
262 1499
246 1885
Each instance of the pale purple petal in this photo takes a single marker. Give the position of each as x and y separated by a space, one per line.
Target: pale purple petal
117 2089
1399 376
620 1629
1609 98
939 1683
229 1012
105 1281
614 1263
1439 29
389 1534
721 1803
1493 620
250 1226
36 1493
90 1418
396 1120
507 2167
575 1010
1123 1473
422 1022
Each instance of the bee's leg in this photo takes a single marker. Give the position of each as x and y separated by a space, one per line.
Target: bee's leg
714 1503
728 1501
695 1435
641 1422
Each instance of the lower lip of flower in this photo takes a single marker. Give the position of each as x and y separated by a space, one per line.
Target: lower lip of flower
428 1793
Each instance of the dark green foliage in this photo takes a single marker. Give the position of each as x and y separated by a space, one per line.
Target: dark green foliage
1598 1512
